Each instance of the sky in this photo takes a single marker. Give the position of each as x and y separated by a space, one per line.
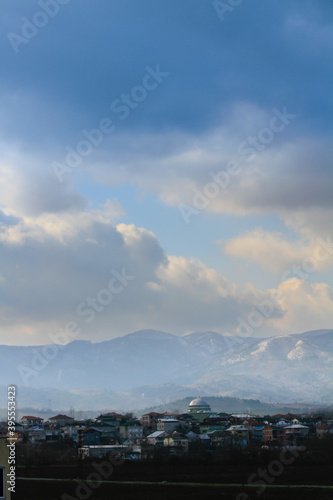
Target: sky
165 164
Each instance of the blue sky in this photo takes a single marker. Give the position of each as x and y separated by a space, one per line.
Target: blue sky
181 93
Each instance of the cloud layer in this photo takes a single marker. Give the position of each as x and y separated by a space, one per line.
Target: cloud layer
171 125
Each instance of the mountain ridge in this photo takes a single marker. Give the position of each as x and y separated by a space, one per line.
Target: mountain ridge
272 368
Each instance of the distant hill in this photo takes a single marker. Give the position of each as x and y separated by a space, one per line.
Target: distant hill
220 404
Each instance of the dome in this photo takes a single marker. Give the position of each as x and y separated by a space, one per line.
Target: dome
198 402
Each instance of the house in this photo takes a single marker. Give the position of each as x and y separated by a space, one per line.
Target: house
5 470
52 435
30 421
213 423
192 437
204 439
176 443
323 431
238 430
68 432
220 438
150 419
108 434
239 434
91 436
257 433
167 424
156 438
296 431
36 435
273 433
267 433
110 418
131 431
61 420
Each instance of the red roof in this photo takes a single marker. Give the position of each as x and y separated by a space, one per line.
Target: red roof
31 418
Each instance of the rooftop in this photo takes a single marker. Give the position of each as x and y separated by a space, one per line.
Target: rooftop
61 417
198 402
31 418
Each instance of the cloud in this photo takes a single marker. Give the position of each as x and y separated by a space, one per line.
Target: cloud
306 306
228 83
168 145
274 253
29 188
56 266
282 166
54 263
212 67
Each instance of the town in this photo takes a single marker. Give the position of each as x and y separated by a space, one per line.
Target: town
166 434
118 452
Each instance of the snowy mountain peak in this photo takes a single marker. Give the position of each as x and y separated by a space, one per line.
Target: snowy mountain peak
288 367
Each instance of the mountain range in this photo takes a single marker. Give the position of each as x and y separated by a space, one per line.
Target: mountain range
151 367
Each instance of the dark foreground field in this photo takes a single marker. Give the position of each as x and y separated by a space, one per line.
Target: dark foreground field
306 477
67 490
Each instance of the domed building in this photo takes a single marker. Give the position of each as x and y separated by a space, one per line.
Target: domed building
198 405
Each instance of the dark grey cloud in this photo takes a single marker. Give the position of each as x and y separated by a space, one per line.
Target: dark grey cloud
91 53
269 54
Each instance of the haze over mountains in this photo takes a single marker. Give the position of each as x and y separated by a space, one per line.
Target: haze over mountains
151 367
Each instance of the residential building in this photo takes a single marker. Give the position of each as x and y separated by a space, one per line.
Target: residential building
131 430
156 438
167 424
323 431
61 420
36 435
296 431
150 419
91 436
176 443
240 435
30 421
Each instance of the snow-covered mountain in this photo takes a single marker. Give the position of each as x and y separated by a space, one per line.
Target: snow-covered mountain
287 368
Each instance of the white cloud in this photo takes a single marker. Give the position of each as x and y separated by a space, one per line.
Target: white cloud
29 188
274 253
306 306
53 263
